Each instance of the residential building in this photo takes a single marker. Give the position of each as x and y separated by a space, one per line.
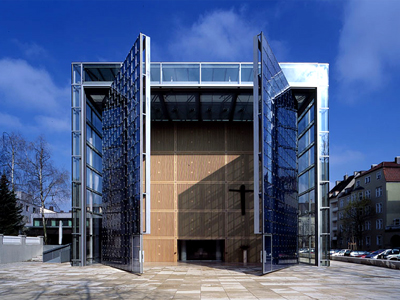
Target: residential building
380 226
203 196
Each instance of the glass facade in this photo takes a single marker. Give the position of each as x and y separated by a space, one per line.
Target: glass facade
310 83
276 149
124 164
111 149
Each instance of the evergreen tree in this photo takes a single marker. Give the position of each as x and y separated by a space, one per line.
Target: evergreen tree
10 214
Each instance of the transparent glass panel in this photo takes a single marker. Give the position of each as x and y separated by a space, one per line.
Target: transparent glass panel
76 96
76 113
324 194
324 168
220 73
181 73
76 143
76 169
97 122
306 139
76 195
306 160
247 73
324 143
323 124
88 113
100 72
306 73
155 73
76 74
306 181
323 91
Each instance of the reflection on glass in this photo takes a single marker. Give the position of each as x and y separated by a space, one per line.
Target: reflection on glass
323 124
220 73
181 73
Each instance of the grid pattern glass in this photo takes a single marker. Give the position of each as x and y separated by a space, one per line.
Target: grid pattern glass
279 163
122 163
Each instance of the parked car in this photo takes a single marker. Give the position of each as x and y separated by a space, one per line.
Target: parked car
333 251
384 254
375 254
393 257
358 253
343 252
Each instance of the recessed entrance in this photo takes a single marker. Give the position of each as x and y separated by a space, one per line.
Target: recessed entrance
201 250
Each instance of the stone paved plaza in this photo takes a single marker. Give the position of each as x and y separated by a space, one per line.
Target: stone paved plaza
35 280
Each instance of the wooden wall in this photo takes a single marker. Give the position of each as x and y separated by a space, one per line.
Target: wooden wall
193 166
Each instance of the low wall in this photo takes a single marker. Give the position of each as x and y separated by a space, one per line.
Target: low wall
20 248
392 264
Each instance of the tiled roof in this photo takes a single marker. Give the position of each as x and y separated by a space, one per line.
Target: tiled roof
392 174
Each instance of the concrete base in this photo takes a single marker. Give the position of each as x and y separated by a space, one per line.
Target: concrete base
392 264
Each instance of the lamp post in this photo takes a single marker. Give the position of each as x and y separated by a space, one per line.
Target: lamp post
12 157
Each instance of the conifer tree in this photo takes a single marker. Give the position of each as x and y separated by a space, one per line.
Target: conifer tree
10 213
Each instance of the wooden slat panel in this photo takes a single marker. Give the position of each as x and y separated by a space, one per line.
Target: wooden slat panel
162 224
240 167
240 137
162 168
201 137
162 136
159 250
201 196
201 167
162 196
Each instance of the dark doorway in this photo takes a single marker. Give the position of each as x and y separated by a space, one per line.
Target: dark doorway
201 250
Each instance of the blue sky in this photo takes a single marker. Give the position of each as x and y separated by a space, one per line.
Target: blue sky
359 39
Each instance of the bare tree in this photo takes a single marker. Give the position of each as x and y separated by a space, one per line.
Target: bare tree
45 180
355 215
12 158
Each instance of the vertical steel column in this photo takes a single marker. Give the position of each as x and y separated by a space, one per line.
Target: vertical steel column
256 135
82 224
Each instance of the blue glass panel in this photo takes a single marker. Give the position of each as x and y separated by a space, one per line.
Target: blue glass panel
220 73
279 123
122 162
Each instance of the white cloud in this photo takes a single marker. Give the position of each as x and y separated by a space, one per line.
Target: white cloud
27 87
54 124
369 42
9 122
222 35
31 49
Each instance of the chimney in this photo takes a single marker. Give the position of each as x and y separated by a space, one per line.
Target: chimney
397 160
51 208
373 166
345 177
337 182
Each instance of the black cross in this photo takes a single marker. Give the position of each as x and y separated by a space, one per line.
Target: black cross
242 192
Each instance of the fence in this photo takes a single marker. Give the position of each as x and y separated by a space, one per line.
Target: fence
20 248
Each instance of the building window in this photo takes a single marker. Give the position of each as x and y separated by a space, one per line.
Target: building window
340 215
368 179
367 210
348 200
379 240
378 208
379 224
341 228
27 208
353 197
378 175
378 191
367 194
341 203
360 196
34 210
367 241
367 225
396 222
357 183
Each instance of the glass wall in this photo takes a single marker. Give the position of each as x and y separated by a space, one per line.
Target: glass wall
276 137
90 83
313 159
124 158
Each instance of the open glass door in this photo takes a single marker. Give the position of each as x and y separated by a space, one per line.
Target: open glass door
275 171
126 161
